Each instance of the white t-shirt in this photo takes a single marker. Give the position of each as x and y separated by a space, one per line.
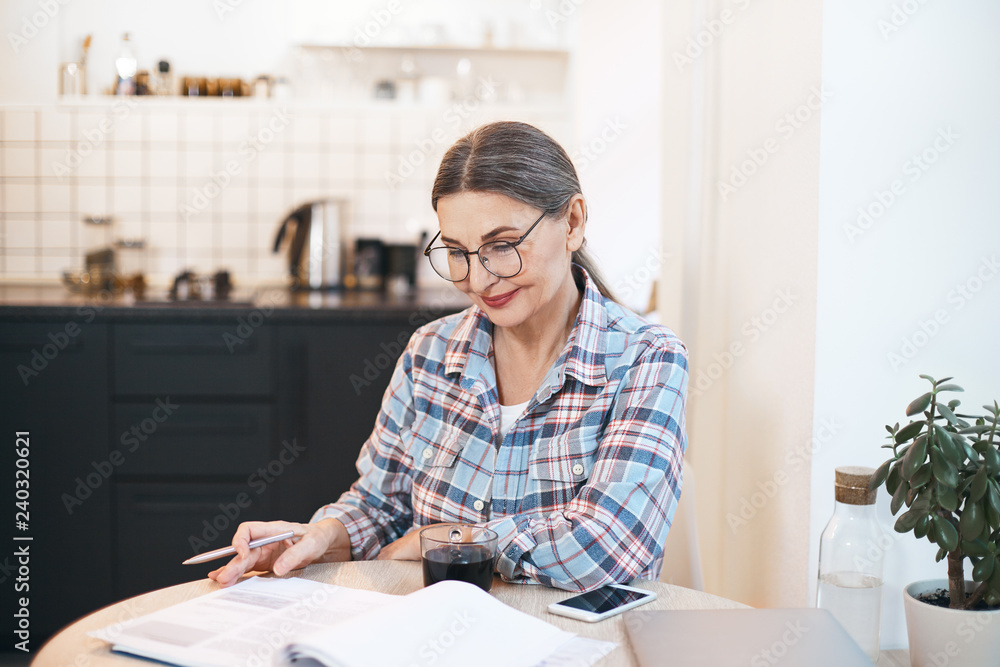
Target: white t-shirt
509 415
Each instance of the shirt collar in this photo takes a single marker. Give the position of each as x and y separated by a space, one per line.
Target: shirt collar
584 355
471 344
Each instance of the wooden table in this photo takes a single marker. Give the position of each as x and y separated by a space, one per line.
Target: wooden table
72 646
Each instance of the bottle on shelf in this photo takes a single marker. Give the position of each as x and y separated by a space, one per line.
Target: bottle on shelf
162 82
125 68
851 555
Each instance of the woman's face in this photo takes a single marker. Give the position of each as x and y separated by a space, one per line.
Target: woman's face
470 219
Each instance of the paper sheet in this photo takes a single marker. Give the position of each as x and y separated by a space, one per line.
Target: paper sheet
247 624
261 622
449 624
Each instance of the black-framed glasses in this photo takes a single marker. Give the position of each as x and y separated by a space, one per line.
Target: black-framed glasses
498 257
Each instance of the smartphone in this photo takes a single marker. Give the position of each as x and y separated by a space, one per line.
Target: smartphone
602 603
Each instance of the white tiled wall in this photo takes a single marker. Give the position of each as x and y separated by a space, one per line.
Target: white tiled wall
154 167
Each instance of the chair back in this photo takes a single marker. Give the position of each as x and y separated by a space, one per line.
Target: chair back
681 555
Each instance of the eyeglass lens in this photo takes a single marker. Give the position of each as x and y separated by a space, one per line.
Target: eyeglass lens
500 258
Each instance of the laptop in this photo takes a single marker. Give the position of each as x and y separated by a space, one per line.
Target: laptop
744 637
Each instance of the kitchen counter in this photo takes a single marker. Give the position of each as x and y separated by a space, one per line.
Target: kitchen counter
21 302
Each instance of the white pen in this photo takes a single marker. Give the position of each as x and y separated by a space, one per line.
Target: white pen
229 551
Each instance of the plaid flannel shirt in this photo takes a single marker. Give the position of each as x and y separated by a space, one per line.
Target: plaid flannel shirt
583 487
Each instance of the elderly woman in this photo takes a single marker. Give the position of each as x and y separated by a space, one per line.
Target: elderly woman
546 411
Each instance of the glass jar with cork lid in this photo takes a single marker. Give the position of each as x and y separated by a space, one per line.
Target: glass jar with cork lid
851 555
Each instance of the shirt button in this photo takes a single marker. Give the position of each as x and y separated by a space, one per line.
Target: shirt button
578 470
479 505
428 453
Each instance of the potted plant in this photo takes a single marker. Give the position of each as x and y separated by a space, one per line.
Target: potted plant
945 473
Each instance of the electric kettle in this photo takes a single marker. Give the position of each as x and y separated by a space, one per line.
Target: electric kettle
317 237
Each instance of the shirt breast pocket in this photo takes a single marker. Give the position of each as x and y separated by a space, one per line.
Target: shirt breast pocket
438 447
559 466
436 496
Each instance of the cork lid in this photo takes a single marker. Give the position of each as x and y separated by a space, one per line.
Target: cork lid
852 485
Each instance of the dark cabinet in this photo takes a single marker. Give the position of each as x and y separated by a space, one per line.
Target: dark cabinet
332 380
151 441
202 359
160 524
193 418
54 387
180 436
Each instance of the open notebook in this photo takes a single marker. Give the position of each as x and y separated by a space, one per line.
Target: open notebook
264 621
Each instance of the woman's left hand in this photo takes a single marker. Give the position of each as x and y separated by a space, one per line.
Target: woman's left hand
405 548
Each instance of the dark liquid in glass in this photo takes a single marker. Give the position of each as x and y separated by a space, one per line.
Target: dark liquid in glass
460 562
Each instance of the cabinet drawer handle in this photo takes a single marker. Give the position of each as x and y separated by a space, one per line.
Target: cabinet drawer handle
176 505
241 427
23 342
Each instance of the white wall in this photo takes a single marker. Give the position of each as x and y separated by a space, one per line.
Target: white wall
895 95
238 38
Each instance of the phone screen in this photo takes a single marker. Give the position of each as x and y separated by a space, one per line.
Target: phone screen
603 599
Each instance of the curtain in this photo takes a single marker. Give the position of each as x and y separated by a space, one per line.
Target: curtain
742 99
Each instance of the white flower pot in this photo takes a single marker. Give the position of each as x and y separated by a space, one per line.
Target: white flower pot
942 637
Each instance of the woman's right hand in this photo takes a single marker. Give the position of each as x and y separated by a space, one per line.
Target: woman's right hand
325 541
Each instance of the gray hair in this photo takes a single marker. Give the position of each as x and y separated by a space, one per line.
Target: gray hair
521 162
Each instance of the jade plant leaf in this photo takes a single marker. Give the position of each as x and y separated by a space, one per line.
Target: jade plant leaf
945 473
919 404
992 458
893 479
983 570
907 432
915 457
975 548
948 448
972 521
993 495
947 535
946 412
923 525
902 490
979 484
921 477
947 497
880 475
906 521
992 518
